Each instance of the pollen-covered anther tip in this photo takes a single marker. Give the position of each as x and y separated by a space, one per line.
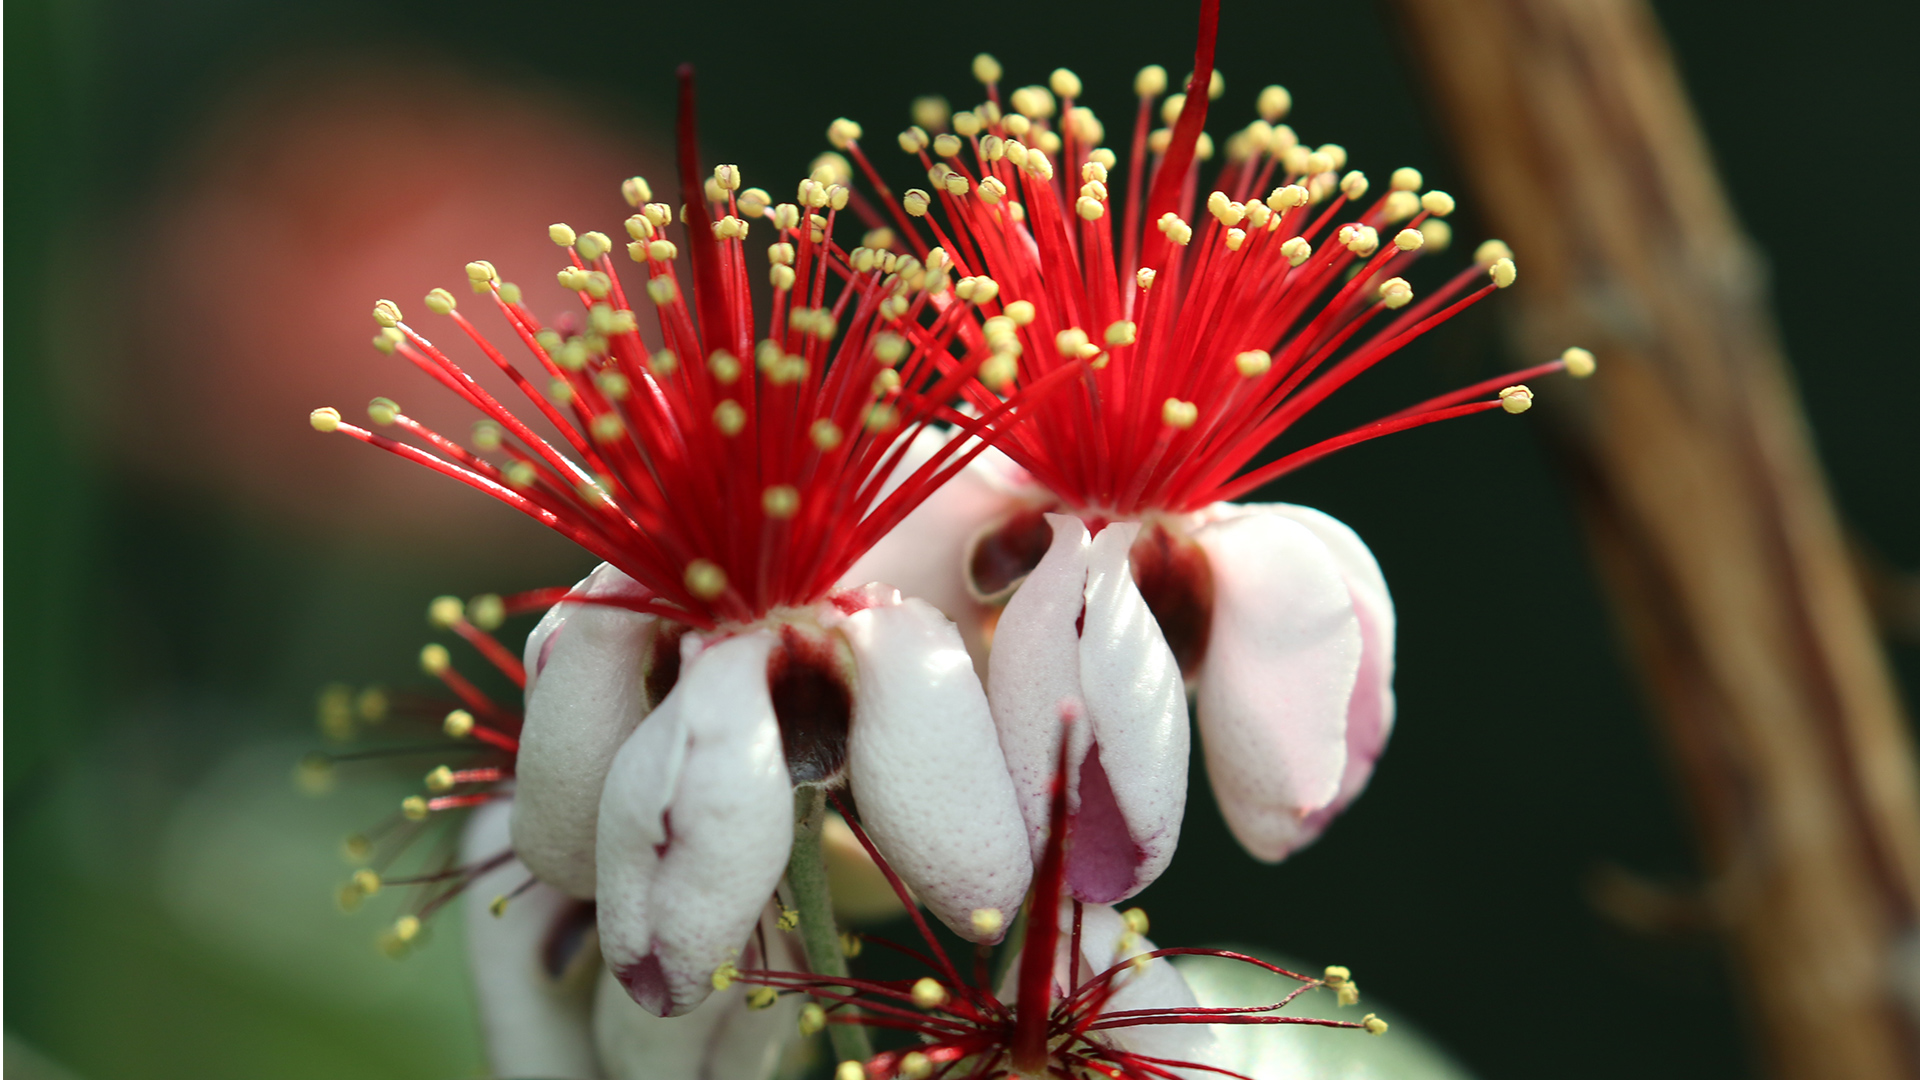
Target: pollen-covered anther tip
763 998
406 927
987 921
705 580
1491 251
987 69
324 420
1178 414
916 202
1336 975
497 907
1395 293
1274 103
366 881
1136 919
413 808
929 994
1253 363
562 234
851 1069
434 659
481 275
636 191
728 176
458 724
1406 178
1144 277
915 1065
440 780
1409 239
386 313
445 612
1437 203
1123 332
1503 272
1580 363
780 501
1373 1024
1089 208
1516 399
813 1020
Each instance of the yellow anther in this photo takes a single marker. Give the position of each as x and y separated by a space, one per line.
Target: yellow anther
1070 342
520 475
931 112
414 808
1178 414
1395 293
1503 273
915 1065
561 233
325 420
724 365
929 994
987 921
664 362
825 434
1064 83
1437 203
386 313
880 417
1319 163
992 191
1516 399
754 202
705 580
1336 975
1362 240
1123 332
1216 84
383 411
348 897
1253 363
1136 919
948 146
998 371
1033 102
434 659
1178 231
851 944
914 139
969 124
486 611
571 277
724 975
1406 179
1400 206
1235 238
440 780
763 998
608 427
406 927
1373 1024
1286 198
1150 82
498 905
1346 994
850 1069
445 612
1580 362
1020 311
916 202
356 848
387 339
887 381
660 214
661 291
636 190
1436 235
482 274
729 417
366 881
1170 110
955 185
1491 251
1258 215
1354 185
1273 103
987 69
1224 209
813 1020
789 918
1089 209
781 501
458 724
781 277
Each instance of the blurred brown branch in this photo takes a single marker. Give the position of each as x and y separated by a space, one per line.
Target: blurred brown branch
1707 510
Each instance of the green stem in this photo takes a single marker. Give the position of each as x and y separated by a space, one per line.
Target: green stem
807 876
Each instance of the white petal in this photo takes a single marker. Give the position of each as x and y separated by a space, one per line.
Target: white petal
925 554
1279 673
1370 712
1036 672
695 826
591 664
1104 942
926 766
534 1019
721 1039
1137 705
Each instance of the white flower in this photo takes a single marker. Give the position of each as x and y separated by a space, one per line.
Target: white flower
657 766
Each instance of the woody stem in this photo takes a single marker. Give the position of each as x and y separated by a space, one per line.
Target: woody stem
807 876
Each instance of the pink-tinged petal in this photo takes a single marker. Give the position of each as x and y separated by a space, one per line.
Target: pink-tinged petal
533 965
587 690
925 764
1035 672
721 1039
1278 677
1370 711
925 554
1132 790
695 825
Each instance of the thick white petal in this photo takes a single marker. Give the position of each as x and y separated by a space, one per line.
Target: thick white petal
1137 705
1370 712
587 667
926 766
695 825
1279 673
534 1017
925 554
721 1039
1036 672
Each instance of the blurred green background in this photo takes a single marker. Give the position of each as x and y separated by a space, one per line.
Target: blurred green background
203 197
